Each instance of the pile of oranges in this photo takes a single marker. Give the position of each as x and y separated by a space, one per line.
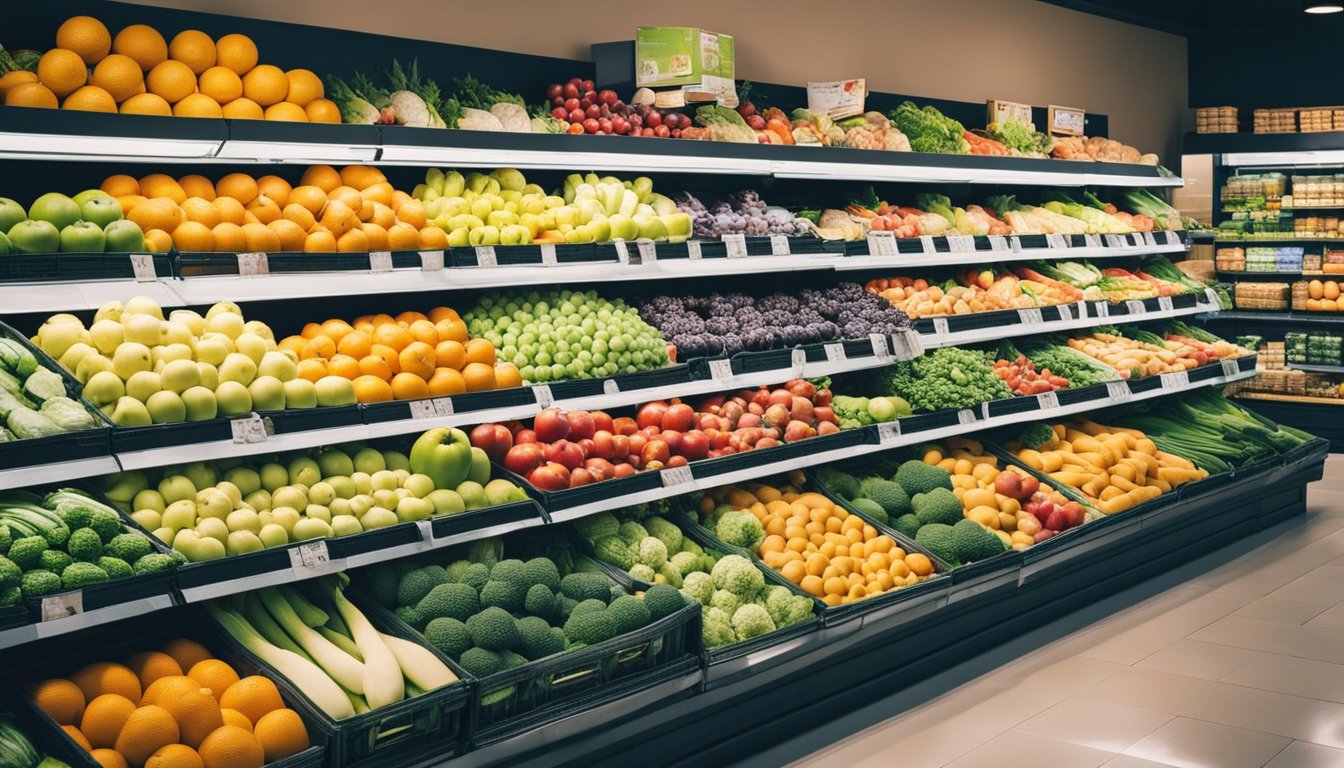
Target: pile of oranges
353 210
139 73
407 357
177 707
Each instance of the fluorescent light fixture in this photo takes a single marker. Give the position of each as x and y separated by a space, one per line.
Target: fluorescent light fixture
1321 6
296 152
1324 157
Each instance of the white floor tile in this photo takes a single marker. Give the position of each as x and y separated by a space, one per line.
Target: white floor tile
1300 754
1186 743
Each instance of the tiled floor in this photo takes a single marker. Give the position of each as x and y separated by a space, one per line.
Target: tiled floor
1235 661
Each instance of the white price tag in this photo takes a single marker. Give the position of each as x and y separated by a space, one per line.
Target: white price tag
1057 241
1231 368
1091 241
543 394
914 344
443 406
997 243
610 387
647 250
881 348
1149 240
1065 312
622 251
721 369
882 244
1015 244
309 555
1047 400
798 361
1116 241
835 352
961 243
889 432
380 261
1081 311
965 416
1177 380
1101 308
485 256
423 409
1136 307
1030 316
736 245
1172 238
1118 391
248 429
253 264
779 245
673 476
940 326
431 261
926 244
1164 303
693 249
63 605
142 264
1212 297
426 533
548 254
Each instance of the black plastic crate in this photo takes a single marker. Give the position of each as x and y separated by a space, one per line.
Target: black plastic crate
530 255
12 616
194 264
756 246
761 457
465 403
671 375
76 267
607 490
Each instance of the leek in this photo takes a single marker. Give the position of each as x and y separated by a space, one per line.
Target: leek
343 668
421 667
383 680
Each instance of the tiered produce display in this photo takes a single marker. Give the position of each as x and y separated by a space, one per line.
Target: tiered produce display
538 496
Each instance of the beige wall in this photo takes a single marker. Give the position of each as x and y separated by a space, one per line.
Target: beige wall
969 50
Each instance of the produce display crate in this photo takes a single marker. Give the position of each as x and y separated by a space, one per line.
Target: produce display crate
62 657
467 402
976 321
517 700
76 267
670 375
785 360
433 724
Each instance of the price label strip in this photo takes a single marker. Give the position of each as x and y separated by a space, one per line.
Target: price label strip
1101 308
312 558
548 255
736 245
997 243
693 250
1030 316
1165 304
1047 400
881 349
63 605
1231 368
1212 299
965 416
142 265
622 251
431 261
914 344
940 328
253 265
1116 241
443 406
889 432
1149 240
961 243
485 256
1092 241
1136 307
882 244
380 261
675 476
248 430
1065 312
543 394
835 352
1056 241
926 244
779 245
1177 380
611 387
648 252
423 409
798 362
1118 391
721 369
1015 244
426 534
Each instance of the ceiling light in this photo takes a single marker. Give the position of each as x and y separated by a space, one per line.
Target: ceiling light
1322 6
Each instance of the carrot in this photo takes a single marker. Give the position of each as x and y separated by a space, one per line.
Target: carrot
781 129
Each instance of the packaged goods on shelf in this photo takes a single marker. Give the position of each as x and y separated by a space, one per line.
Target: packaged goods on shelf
1276 121
1262 295
1317 226
1262 186
1231 259
1321 119
1216 120
1315 191
1316 295
1332 263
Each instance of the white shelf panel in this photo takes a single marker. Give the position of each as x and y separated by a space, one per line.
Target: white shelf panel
58 472
973 258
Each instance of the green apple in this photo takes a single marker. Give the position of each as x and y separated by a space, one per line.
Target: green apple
211 351
166 407
82 237
268 394
11 213
243 520
243 542
130 359
123 237
75 355
343 486
107 335
91 194
363 481
212 503
245 478
130 412
180 514
385 480
190 318
317 512
175 488
212 527
233 399
335 391
402 476
55 208
200 404
321 493
340 507
446 502
303 470
238 368
260 501
149 499
251 345
385 498
300 393
345 525
148 519
232 491
273 476
143 305
92 365
100 211
395 460
411 509
209 376
227 323
202 475
368 461
286 517
678 225
473 495
651 227
420 486
144 330
500 491
334 463
288 496
275 364
360 504
378 517
309 528
273 535
180 375
5 246
459 238
479 472
623 227
175 333
123 486
402 493
34 237
220 307
258 328
143 384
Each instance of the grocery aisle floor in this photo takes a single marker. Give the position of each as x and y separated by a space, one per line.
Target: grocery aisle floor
1233 661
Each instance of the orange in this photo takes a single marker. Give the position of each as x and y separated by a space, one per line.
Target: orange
507 376
193 236
197 715
291 235
31 95
237 52
90 98
128 202
78 737
175 756
433 237
303 87
361 176
390 357
408 386
319 242
382 214
418 359
260 239
221 84
162 185
166 688
292 344
399 198
344 366
243 109
480 351
254 696
354 241
108 758
285 111
409 316
266 84
423 330
104 718
373 365
196 186
451 329
348 195
450 354
281 733
11 79
239 186
86 36
355 343
105 677
370 388
412 212
264 209
322 111
147 730
380 192
158 241
479 377
232 747
336 329
61 699
312 369
311 330
366 209
375 237
319 347
446 382
62 71
143 44
236 718
338 218
301 216
403 237
198 105
213 674
121 76
202 210
193 48
172 80
230 210
276 188
152 665
310 197
187 653
392 335
146 104
324 177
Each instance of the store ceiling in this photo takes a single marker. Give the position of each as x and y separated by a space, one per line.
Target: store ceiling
1187 17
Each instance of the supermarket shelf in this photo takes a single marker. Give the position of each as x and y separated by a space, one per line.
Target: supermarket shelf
1336 369
1317 415
1298 318
1235 274
1286 240
973 258
1293 208
80 621
56 472
1083 315
1273 397
22 298
222 449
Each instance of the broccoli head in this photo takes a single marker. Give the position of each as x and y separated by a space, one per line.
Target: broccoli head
128 546
536 640
614 550
414 586
539 601
915 477
584 586
740 529
116 567
698 586
938 506
411 616
668 575
106 523
871 508
450 600
476 575
456 569
651 552
79 575
752 620
665 532
85 545
937 538
972 541
663 600
642 572
542 570
479 662
906 524
511 659
1038 436
590 627
717 628
503 594
585 606
629 613
54 560
448 635
738 575
684 562
75 516
10 575
153 563
887 494
787 608
842 484
597 526
564 606
726 601
493 629
6 539
56 536
380 582
10 596
512 570
37 583
27 551
632 532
